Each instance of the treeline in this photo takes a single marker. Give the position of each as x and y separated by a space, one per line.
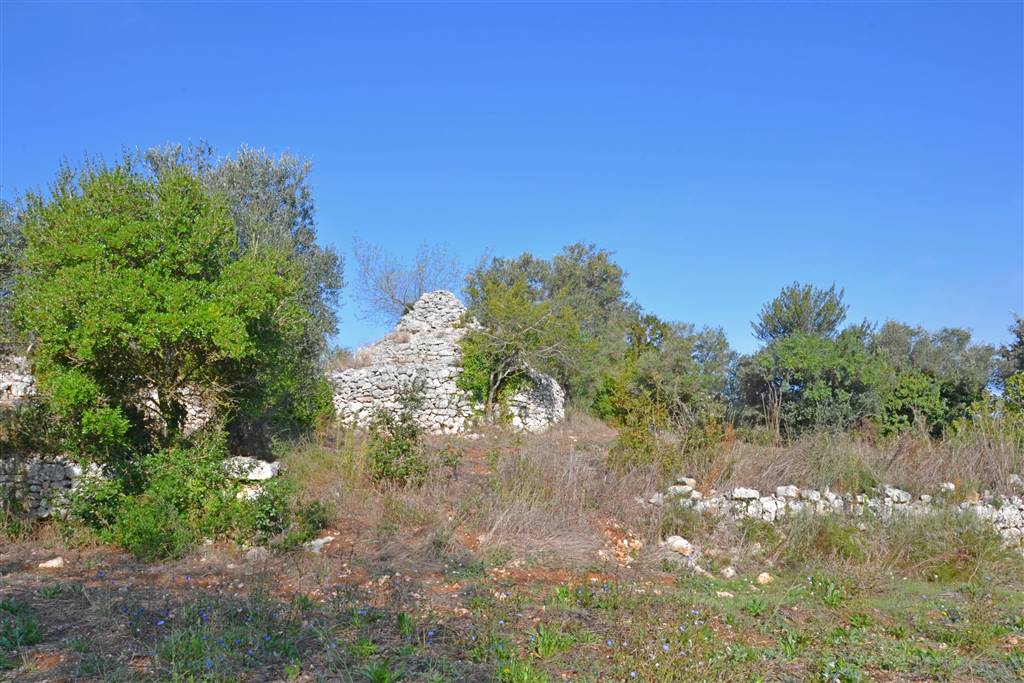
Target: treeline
572 317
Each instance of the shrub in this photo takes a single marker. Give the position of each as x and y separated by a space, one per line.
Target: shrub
395 449
150 528
180 496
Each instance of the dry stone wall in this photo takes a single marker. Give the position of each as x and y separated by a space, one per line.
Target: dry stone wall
36 487
423 351
1004 512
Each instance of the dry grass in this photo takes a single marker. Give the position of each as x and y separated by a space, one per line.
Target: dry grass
979 460
548 496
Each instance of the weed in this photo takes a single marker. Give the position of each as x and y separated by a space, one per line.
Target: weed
755 607
519 671
547 642
381 672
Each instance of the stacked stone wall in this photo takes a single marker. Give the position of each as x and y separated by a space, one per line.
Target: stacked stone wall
1005 512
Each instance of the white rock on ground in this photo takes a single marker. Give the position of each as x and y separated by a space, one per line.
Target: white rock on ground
678 544
251 469
317 544
55 563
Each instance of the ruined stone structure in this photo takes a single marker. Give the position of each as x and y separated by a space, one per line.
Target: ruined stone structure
423 350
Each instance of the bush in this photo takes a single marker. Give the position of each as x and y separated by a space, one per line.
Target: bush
150 528
395 450
180 496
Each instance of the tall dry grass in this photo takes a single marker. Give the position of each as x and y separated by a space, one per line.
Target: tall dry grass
542 497
979 458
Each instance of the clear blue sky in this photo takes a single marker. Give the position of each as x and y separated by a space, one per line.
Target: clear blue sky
720 150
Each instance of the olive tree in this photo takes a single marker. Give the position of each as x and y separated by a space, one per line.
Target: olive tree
801 309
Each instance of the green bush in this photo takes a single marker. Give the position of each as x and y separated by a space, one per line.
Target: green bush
150 528
395 449
179 496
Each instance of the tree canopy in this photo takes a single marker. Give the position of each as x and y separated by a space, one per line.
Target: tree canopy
135 286
801 309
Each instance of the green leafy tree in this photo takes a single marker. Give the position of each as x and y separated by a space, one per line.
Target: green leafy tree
585 279
12 244
960 368
134 287
802 382
271 205
801 309
517 331
1011 355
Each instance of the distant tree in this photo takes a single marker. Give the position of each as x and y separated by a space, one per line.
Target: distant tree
949 359
133 287
802 381
801 309
386 288
1012 354
584 278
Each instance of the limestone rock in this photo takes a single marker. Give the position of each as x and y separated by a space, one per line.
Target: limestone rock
678 544
55 563
251 469
745 494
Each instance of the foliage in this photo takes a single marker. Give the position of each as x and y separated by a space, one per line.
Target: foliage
1012 354
801 309
134 288
948 359
915 400
802 382
395 450
517 331
12 245
176 497
581 278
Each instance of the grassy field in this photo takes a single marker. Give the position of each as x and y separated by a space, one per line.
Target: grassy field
530 562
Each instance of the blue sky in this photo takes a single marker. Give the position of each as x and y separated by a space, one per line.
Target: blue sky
720 150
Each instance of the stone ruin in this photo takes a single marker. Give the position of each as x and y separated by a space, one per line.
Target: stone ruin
423 351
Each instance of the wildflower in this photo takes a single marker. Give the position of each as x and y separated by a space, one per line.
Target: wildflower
610 642
664 648
160 622
632 674
101 573
209 663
